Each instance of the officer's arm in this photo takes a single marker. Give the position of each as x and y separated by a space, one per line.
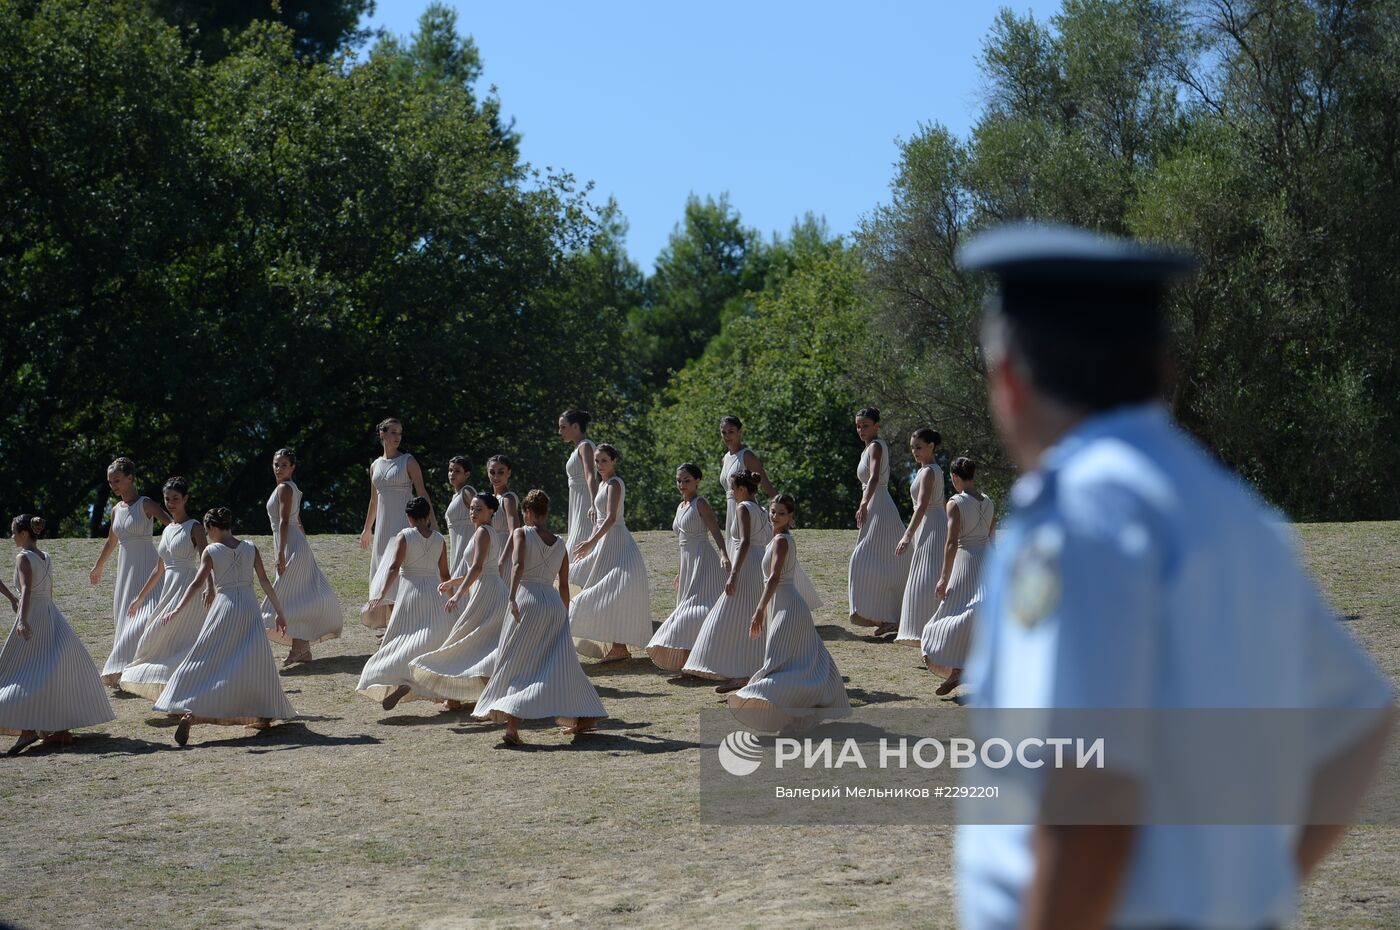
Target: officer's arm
1078 873
1343 778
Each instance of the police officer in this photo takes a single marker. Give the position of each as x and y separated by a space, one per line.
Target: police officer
1135 573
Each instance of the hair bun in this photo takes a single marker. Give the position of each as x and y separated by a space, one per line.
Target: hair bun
36 525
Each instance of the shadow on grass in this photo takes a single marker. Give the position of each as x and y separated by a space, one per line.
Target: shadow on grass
835 632
605 691
442 716
610 741
294 735
331 665
867 698
97 744
634 666
690 681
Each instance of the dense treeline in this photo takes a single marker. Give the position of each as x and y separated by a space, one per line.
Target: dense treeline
220 236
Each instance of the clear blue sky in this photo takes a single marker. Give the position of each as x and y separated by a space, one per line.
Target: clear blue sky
788 107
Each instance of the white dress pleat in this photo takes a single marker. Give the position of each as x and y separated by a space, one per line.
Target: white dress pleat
614 605
461 667
163 646
723 649
876 582
920 600
391 479
948 635
733 464
459 528
309 603
229 676
580 501
48 682
798 681
700 584
136 557
420 621
538 674
502 526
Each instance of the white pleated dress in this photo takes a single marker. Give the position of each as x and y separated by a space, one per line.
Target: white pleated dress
614 605
723 649
798 681
459 529
580 501
391 479
136 557
502 526
733 464
229 677
920 600
538 674
948 635
48 682
309 603
875 589
163 646
419 623
701 582
461 667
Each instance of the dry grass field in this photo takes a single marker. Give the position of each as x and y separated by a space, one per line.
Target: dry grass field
353 817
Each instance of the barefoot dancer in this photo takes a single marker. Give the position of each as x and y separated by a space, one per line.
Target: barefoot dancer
538 673
48 682
229 677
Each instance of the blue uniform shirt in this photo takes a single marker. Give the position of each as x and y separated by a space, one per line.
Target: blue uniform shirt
1153 577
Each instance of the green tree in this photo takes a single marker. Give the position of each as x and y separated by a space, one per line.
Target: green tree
320 27
702 276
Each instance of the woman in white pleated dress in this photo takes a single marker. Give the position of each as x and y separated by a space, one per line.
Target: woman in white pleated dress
582 475
420 621
723 650
229 677
507 518
798 684
738 457
458 670
701 579
395 477
309 603
163 646
875 588
927 534
537 674
48 683
130 536
612 609
971 525
458 513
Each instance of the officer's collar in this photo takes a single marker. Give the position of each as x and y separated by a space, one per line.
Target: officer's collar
1115 422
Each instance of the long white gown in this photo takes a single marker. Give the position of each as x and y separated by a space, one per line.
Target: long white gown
723 649
580 527
614 605
459 528
798 682
920 600
948 634
538 674
701 582
229 676
136 557
163 646
875 589
460 668
732 464
48 682
309 603
502 526
391 479
419 623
